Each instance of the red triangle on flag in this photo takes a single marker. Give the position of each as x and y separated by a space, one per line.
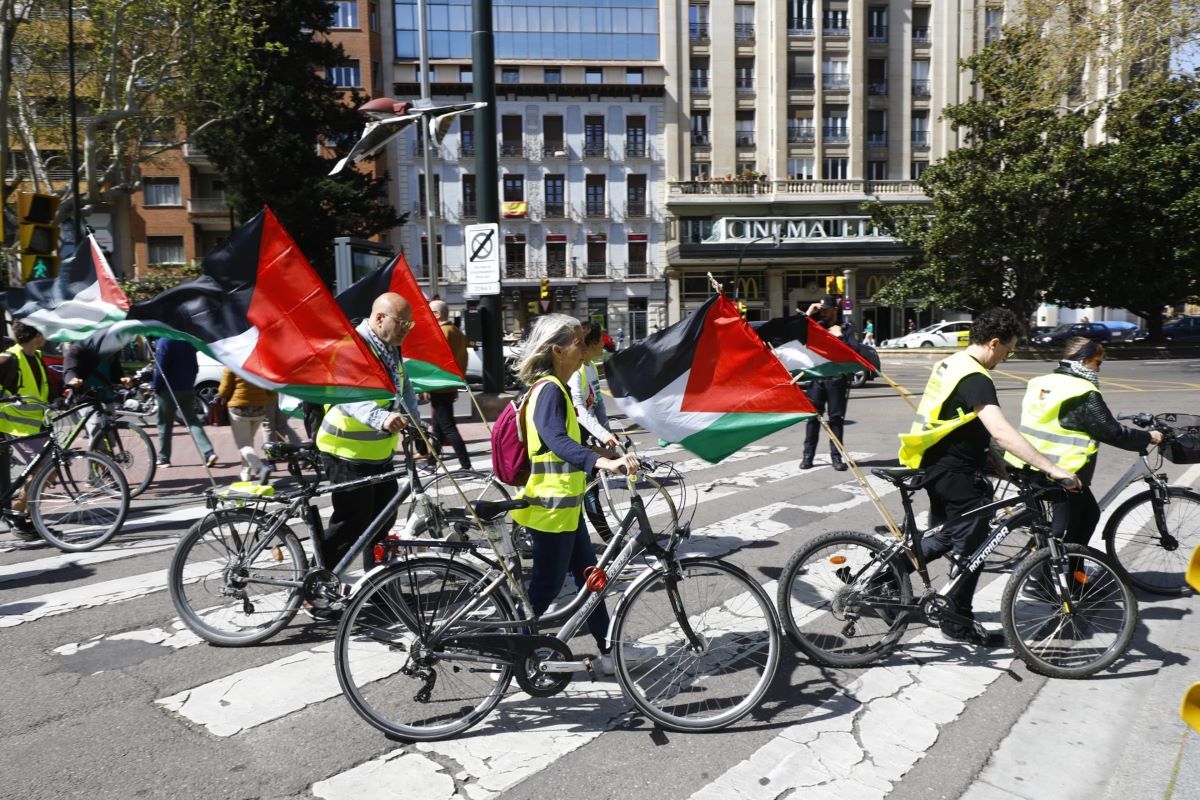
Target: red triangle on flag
733 371
425 342
303 336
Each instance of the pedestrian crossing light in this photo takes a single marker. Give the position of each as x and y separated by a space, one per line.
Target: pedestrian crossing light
835 284
545 288
37 235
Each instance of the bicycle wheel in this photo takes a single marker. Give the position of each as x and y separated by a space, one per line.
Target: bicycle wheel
130 447
1155 559
394 675
716 675
614 503
475 484
828 616
224 595
78 500
1069 637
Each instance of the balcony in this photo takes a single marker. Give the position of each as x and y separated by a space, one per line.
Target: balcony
217 204
802 28
700 87
553 150
877 88
836 31
804 134
920 140
596 269
835 83
744 84
877 139
593 149
635 209
469 209
467 148
835 134
194 155
635 149
595 210
698 31
745 138
855 189
921 35
701 139
515 269
877 34
921 87
512 150
802 83
743 31
637 269
556 269
555 210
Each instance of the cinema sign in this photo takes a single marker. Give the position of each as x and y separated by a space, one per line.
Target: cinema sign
732 230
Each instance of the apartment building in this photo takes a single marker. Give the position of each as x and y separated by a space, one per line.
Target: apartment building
791 114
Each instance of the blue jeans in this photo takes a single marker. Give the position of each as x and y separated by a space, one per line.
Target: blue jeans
554 555
166 422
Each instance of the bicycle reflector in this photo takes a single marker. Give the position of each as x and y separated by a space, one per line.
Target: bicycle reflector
1193 570
837 560
1081 576
596 578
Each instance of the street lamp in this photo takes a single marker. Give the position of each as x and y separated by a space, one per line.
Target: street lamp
738 270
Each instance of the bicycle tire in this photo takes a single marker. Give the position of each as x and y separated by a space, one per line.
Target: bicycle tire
660 507
1133 541
375 650
204 569
130 447
676 686
1074 642
476 485
78 500
830 630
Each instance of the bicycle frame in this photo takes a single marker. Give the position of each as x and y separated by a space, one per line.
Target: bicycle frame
1138 470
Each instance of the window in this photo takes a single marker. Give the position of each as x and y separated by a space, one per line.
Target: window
835 73
347 75
743 22
698 21
593 136
635 196
877 27
993 19
920 30
800 17
466 134
744 128
437 194
876 128
376 76
161 192
373 16
695 229
552 136
877 170
744 74
510 75
432 74
597 259
556 198
514 256
920 129
836 130
699 73
801 169
556 259
836 169
800 126
877 82
920 78
635 76
345 14
918 169
165 249
552 75
700 121
800 71
701 171
635 136
637 267
466 75
746 168
594 195
511 136
469 197
837 22
593 75
514 188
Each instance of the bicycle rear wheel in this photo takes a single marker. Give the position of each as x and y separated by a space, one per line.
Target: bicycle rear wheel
395 675
834 622
1073 636
699 653
1155 559
78 500
222 593
131 448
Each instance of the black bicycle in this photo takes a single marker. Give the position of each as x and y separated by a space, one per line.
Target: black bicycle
128 445
846 597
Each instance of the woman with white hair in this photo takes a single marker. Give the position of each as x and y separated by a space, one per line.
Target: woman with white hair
559 469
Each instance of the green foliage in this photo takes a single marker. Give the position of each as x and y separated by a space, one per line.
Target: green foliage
275 107
158 279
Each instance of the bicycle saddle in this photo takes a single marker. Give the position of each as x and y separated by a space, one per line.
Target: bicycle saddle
903 477
490 509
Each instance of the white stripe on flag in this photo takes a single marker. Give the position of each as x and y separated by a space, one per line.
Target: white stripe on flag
662 414
795 355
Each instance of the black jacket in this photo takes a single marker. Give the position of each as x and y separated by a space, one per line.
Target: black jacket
1090 415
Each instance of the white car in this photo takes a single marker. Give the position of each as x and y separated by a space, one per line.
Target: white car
475 364
941 334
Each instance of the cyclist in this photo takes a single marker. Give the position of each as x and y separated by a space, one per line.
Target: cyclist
1065 417
22 374
589 409
559 467
84 366
958 416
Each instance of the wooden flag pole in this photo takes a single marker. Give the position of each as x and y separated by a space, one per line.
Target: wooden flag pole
900 390
482 416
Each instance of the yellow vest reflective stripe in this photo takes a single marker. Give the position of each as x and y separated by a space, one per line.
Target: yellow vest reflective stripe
1043 401
930 427
20 418
343 436
555 488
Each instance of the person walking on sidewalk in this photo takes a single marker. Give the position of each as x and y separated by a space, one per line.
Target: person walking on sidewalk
25 391
445 427
174 382
832 394
248 406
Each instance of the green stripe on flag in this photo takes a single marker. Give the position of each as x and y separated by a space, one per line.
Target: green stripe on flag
427 377
831 369
732 432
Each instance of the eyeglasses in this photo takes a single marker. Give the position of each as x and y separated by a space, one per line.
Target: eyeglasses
1008 349
402 324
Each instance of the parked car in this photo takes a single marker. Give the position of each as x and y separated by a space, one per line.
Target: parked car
941 334
860 378
1120 331
1183 329
475 366
1091 330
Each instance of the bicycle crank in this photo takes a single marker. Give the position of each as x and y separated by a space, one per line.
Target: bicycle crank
547 670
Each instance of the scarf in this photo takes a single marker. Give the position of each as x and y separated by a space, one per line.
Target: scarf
1077 369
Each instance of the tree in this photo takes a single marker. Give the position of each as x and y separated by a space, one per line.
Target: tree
1002 208
278 116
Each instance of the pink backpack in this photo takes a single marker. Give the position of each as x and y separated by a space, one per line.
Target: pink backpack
510 456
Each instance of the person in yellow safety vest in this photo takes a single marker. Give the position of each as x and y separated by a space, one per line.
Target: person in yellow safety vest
957 418
358 440
559 469
22 375
1066 418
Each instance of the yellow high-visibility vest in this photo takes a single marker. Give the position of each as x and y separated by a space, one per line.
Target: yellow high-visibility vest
930 426
20 418
1040 408
555 488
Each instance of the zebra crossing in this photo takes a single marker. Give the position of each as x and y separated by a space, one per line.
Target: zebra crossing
856 735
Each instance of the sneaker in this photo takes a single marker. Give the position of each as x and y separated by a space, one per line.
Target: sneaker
211 460
162 461
323 615
975 634
604 665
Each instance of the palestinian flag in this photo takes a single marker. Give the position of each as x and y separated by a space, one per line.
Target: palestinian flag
707 382
803 345
428 360
261 310
83 299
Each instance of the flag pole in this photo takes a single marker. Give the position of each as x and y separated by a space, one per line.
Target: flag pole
179 409
482 416
900 390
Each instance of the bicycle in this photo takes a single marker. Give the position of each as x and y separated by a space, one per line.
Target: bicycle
1151 535
429 644
846 597
128 445
77 500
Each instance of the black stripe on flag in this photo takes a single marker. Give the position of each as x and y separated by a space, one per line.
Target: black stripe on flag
646 368
781 330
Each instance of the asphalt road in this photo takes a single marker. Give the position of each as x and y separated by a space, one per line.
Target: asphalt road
107 696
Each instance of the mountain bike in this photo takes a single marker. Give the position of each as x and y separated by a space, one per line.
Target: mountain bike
128 445
430 644
77 500
846 597
1151 535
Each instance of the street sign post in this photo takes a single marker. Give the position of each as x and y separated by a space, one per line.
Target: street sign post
483 259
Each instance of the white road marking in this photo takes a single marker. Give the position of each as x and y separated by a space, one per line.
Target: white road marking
30 569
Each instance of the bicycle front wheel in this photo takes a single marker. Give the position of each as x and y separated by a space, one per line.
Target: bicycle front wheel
1070 616
231 587
698 650
840 603
78 500
1153 557
131 448
401 679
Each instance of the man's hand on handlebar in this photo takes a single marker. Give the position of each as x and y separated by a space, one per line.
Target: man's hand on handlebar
1067 480
394 423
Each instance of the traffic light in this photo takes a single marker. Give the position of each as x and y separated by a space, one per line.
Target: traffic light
835 284
545 288
37 235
